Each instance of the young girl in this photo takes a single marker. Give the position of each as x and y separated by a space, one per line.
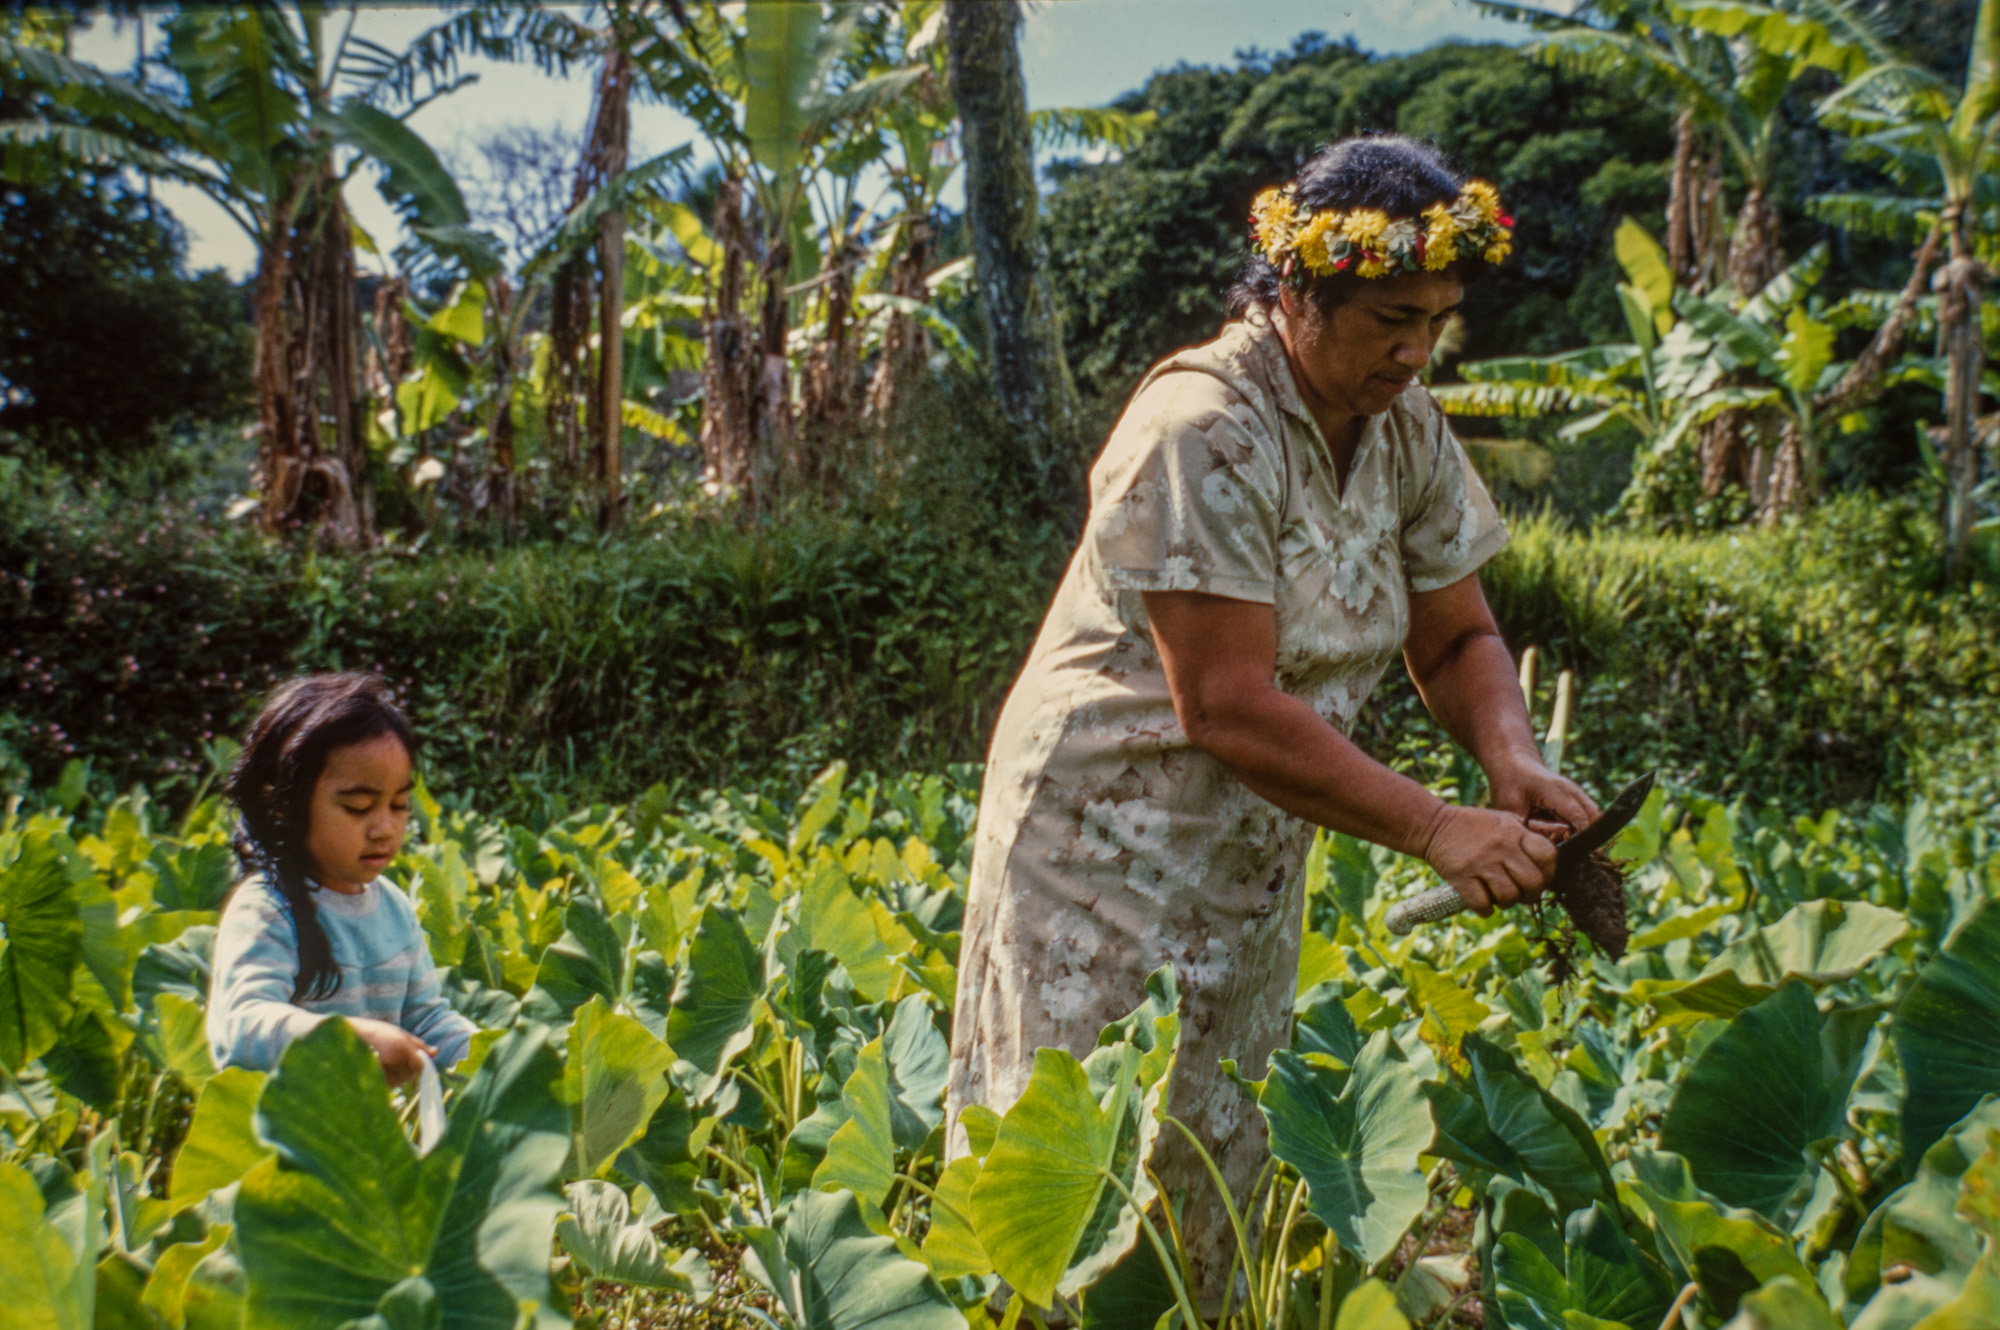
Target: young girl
311 932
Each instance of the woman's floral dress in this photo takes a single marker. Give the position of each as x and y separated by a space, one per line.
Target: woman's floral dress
1107 844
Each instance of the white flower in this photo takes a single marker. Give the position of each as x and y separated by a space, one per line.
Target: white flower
1148 877
1179 573
1401 237
1111 828
1067 997
1460 544
1353 581
1220 491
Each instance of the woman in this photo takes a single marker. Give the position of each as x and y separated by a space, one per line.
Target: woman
1278 513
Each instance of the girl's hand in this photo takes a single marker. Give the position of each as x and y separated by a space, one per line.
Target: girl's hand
1491 858
400 1052
1528 784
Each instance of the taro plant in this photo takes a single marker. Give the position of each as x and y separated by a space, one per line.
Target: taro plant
714 1053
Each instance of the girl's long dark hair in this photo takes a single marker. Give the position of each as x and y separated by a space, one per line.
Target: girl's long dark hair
271 785
1399 175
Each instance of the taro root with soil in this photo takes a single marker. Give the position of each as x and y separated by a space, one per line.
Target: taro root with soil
1593 899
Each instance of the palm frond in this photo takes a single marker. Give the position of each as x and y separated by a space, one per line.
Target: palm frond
1090 127
579 229
544 35
1893 216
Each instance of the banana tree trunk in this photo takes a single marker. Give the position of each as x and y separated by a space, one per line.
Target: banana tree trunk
774 456
1684 203
611 140
1756 254
500 496
832 382
1965 354
307 328
729 367
906 350
1862 382
1024 335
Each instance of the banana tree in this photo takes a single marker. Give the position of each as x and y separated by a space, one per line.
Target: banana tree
1690 360
269 114
1942 148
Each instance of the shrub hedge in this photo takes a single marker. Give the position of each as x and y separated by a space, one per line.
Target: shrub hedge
1812 665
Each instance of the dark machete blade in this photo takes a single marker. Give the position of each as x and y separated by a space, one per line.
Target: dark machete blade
1572 852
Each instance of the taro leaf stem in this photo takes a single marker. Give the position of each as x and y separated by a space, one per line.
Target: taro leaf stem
1673 1317
1281 1284
1191 1318
1173 1226
1326 1258
936 1199
33 1112
1235 1220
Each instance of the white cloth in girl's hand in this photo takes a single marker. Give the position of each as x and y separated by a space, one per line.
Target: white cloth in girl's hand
385 974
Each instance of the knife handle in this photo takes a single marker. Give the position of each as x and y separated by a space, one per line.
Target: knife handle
1426 907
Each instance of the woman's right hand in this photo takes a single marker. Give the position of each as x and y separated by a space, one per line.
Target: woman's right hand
401 1053
1491 858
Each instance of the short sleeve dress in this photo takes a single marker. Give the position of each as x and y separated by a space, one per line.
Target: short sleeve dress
1107 844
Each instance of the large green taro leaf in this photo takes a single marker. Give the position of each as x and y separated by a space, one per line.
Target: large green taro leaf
1047 1206
894 1106
1506 1123
1354 1137
1787 1304
46 1282
861 1154
1919 1232
44 938
663 1157
613 1079
715 1000
832 1272
1947 1032
1726 1251
601 1236
348 1223
1761 1096
1824 941
919 1064
1603 1276
221 1144
587 961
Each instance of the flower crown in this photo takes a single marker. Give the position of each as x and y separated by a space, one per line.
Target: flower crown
1374 244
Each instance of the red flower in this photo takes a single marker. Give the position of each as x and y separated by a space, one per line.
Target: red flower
1505 220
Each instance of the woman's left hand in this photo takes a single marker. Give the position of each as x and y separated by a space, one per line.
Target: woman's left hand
1528 784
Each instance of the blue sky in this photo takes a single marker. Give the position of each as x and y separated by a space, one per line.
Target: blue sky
1073 52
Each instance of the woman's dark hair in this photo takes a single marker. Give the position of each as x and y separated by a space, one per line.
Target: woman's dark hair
271 785
1399 175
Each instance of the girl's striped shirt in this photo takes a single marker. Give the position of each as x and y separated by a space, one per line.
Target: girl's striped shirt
385 973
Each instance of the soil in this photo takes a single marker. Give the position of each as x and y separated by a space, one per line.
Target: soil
1593 904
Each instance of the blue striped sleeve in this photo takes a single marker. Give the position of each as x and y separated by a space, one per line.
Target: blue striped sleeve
251 1019
427 1013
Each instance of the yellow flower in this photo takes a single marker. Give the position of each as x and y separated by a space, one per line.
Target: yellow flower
1314 242
1483 197
1365 227
1374 265
1440 237
1275 218
1499 248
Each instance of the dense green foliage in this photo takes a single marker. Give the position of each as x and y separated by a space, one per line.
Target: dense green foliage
722 1031
106 343
1145 247
1809 665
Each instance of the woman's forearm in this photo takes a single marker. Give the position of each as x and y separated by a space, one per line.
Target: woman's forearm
1288 754
1474 693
